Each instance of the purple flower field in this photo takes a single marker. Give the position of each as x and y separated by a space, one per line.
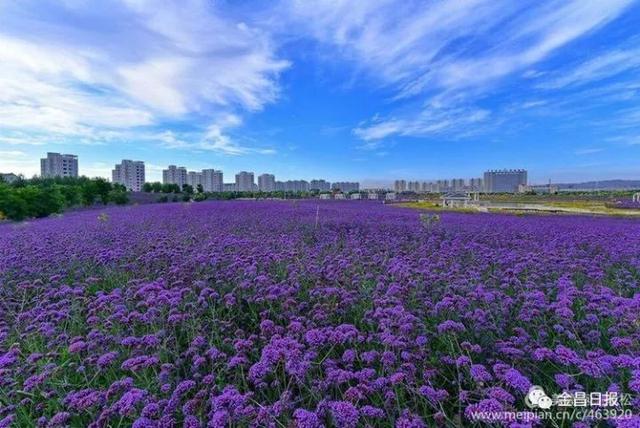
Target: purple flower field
251 314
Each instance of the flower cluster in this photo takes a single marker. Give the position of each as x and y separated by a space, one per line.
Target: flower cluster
273 314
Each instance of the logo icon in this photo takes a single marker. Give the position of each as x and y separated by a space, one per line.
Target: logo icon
537 398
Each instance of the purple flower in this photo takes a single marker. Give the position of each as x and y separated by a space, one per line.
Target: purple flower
106 359
516 380
479 373
139 363
59 420
83 399
450 326
306 419
344 414
127 404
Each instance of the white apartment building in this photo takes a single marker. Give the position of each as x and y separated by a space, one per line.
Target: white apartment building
194 179
267 182
57 165
346 186
130 174
319 184
244 181
175 175
400 186
212 180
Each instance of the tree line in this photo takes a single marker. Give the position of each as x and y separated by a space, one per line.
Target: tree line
40 197
198 194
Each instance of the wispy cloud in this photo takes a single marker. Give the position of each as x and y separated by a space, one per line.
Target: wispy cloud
215 138
128 64
589 151
430 121
452 52
627 140
12 153
603 66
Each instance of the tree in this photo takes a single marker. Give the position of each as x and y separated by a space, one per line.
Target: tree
118 197
157 187
200 188
188 189
170 188
147 187
103 187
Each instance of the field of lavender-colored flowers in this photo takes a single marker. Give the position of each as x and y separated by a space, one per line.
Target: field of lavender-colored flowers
255 314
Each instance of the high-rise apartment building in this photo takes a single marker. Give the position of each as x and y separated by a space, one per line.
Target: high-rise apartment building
504 180
244 181
212 180
57 165
475 184
296 186
267 182
457 184
413 186
320 185
346 186
194 179
175 175
130 174
400 186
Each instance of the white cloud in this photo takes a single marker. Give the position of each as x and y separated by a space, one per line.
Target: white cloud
591 151
452 51
128 64
601 67
628 140
12 153
430 121
216 138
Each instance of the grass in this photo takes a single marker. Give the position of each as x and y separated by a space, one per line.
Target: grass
547 205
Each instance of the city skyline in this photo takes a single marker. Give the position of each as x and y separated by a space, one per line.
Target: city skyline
131 174
368 92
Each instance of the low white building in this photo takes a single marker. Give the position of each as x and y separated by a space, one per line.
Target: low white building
354 196
391 196
339 196
456 200
9 178
372 196
325 196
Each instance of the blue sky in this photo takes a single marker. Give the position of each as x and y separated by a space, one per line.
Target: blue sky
369 91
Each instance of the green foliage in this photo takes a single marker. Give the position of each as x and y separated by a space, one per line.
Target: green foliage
188 189
40 197
170 188
119 197
199 197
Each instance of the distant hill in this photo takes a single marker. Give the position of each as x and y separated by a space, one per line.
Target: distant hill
601 185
